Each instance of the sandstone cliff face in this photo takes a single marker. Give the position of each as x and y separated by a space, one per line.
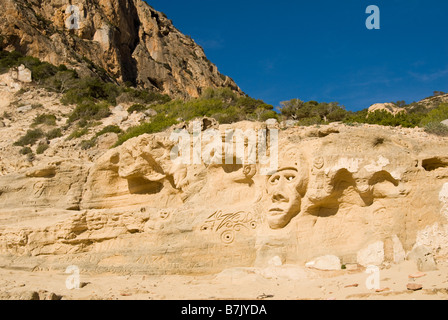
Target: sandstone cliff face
366 195
126 38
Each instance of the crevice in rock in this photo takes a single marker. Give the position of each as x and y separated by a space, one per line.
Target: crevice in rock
434 163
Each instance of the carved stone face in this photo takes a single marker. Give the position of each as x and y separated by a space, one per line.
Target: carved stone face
362 182
284 196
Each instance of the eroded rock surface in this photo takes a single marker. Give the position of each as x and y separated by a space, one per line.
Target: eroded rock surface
126 39
366 195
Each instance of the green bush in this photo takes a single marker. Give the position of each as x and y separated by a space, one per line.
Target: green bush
40 71
132 95
109 129
250 105
53 134
8 60
47 119
88 111
88 144
438 114
30 138
310 121
78 91
26 150
78 133
41 148
158 124
266 115
137 108
229 115
36 106
62 81
313 112
6 115
224 94
43 71
384 118
88 90
437 128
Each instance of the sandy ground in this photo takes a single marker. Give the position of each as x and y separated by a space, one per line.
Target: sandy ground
240 284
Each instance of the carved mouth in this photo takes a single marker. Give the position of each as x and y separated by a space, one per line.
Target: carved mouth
276 211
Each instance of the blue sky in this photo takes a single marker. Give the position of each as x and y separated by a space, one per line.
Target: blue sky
321 49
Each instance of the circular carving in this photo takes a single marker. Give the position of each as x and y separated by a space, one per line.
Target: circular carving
319 163
249 171
164 214
253 225
228 237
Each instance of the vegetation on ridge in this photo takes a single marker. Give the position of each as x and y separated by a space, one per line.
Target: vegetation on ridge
413 115
93 98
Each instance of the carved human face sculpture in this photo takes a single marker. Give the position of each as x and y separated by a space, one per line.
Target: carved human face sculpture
284 196
362 182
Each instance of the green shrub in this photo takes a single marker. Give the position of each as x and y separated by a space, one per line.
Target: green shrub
39 70
30 138
83 123
224 94
229 115
78 91
43 71
378 141
26 150
437 128
41 148
62 81
91 90
266 115
78 133
47 119
310 121
250 105
158 124
132 95
313 112
88 144
6 115
8 60
89 111
438 114
137 108
384 118
53 134
109 129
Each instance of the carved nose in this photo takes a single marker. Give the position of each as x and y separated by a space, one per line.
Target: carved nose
279 197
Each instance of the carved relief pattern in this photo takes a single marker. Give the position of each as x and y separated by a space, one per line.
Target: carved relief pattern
228 224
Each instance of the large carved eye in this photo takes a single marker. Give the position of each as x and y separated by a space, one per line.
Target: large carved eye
290 177
274 179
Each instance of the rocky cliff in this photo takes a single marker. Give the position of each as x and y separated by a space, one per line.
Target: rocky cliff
343 195
124 40
365 195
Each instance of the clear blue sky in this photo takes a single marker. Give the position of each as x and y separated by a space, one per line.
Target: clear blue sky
321 49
